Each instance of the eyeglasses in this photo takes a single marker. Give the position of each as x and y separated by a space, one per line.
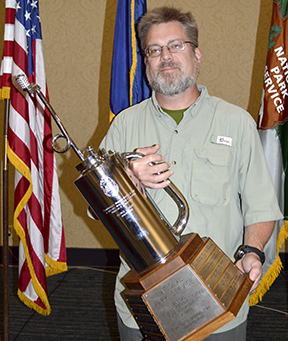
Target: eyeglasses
173 46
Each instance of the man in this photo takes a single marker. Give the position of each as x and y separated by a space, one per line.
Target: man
209 148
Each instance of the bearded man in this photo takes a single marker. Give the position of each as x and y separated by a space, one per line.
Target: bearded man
209 148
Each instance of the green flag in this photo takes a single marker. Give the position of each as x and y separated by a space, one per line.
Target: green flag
273 130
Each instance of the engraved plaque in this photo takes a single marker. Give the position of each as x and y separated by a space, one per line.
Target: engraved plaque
181 303
203 255
210 264
225 280
218 271
232 288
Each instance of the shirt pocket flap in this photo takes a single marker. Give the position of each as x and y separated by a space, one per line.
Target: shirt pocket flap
211 175
218 156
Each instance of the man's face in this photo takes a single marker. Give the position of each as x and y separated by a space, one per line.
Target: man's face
171 73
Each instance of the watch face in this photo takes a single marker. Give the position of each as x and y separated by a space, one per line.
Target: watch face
246 249
241 253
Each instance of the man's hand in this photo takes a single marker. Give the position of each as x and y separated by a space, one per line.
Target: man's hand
256 235
151 170
251 265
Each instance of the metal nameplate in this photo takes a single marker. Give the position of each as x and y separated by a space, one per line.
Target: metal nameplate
215 276
232 288
210 264
206 251
181 303
225 280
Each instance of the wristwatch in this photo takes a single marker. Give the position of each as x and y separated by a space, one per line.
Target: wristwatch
246 249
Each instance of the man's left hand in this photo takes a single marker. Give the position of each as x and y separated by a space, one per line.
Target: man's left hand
251 265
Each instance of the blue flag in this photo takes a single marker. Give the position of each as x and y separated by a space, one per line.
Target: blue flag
128 82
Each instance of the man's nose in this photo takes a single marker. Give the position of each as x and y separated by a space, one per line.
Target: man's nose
165 53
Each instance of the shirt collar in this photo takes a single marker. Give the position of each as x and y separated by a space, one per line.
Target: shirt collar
203 92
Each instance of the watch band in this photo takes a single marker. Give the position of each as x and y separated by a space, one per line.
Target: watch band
246 249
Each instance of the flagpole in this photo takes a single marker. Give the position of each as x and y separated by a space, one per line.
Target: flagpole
5 229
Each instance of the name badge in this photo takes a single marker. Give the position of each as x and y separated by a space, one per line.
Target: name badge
224 140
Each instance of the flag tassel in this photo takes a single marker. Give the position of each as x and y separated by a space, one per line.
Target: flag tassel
274 270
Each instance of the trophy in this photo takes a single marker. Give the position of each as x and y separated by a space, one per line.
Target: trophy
181 287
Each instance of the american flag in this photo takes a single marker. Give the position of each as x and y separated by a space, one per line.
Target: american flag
37 213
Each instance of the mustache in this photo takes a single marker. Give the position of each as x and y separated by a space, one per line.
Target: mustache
164 65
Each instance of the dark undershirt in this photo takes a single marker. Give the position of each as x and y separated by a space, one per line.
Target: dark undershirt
177 115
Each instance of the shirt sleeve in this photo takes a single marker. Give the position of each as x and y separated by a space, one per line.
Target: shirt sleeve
114 137
256 189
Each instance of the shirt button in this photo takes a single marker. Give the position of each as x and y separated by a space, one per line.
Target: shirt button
176 132
173 163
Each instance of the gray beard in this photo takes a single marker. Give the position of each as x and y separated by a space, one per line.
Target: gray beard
169 85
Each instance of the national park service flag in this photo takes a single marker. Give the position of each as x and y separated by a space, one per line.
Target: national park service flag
273 130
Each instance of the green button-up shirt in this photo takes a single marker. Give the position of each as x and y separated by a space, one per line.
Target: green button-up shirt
219 167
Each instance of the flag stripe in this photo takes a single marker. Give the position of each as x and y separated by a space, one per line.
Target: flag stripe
33 202
9 16
22 186
7 65
10 4
22 150
8 37
19 57
24 277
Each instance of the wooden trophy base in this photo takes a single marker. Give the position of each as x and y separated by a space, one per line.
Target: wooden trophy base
196 291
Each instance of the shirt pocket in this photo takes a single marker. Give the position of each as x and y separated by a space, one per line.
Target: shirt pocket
211 175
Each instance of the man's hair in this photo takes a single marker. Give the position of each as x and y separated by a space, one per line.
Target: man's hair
163 15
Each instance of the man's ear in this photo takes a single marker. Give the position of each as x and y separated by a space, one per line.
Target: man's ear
145 60
198 55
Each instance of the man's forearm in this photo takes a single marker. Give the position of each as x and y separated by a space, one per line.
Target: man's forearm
258 234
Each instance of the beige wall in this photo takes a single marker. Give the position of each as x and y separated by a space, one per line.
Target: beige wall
78 41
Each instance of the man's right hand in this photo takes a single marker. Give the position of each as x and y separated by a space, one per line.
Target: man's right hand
150 169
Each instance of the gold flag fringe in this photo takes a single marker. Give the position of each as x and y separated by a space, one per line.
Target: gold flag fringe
134 52
112 116
53 267
4 93
274 270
